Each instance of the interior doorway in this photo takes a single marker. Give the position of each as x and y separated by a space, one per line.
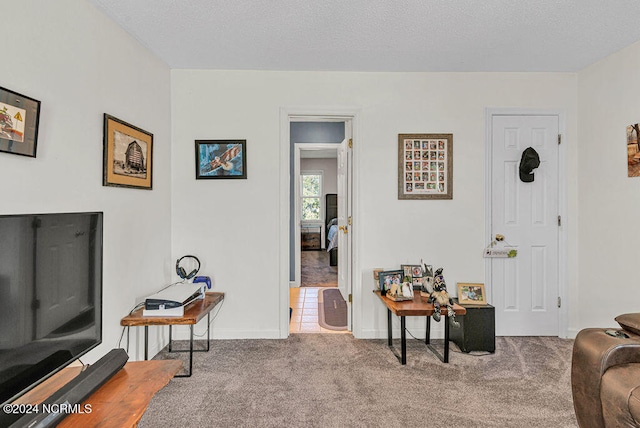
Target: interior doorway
315 210
320 203
315 216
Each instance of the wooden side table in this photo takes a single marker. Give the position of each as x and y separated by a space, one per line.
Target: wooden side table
120 402
417 307
310 237
193 313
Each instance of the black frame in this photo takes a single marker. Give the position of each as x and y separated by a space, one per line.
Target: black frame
217 153
416 280
112 178
31 107
383 275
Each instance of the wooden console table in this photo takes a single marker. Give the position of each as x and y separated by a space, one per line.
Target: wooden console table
417 307
193 313
120 402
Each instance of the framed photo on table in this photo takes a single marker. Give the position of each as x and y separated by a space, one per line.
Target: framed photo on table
19 119
415 273
471 294
388 278
425 166
128 155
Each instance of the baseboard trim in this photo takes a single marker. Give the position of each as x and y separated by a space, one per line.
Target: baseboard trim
572 333
382 334
182 333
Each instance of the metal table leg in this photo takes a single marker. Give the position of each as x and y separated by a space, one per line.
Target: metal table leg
403 338
146 342
444 357
446 340
208 331
191 350
188 374
389 333
427 339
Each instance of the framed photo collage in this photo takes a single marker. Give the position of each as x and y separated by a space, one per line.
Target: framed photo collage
425 167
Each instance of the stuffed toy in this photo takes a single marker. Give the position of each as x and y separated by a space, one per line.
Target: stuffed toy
402 291
407 288
439 297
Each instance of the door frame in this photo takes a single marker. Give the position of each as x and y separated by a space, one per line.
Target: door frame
563 312
315 114
299 147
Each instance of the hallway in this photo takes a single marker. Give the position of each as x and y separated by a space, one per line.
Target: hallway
315 270
304 316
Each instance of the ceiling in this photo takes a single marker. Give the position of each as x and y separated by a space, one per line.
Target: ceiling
379 35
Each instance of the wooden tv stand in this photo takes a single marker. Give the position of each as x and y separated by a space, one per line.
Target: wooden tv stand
120 402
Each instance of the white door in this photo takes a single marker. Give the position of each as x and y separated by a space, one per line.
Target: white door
525 289
344 218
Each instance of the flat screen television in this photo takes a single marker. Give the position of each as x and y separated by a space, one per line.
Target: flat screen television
50 295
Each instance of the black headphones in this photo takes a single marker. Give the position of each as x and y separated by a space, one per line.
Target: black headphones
180 270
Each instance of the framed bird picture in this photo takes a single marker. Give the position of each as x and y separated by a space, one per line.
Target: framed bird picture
221 159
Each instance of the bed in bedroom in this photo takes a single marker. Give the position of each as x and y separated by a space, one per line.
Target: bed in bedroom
331 223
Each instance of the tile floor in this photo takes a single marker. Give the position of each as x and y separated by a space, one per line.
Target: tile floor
304 317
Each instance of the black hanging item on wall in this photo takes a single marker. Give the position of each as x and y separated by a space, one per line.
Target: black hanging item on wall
182 273
529 161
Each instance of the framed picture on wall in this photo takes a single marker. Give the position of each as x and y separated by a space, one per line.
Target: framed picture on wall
221 159
19 118
425 166
633 150
128 155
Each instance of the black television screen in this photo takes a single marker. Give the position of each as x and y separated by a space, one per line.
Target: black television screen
50 295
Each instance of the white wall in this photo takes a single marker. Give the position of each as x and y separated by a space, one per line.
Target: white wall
609 200
234 225
79 64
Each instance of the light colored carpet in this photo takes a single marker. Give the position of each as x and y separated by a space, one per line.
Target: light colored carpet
315 380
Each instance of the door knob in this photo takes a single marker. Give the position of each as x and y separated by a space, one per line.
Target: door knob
343 228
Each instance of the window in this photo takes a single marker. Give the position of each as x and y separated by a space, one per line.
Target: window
311 196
